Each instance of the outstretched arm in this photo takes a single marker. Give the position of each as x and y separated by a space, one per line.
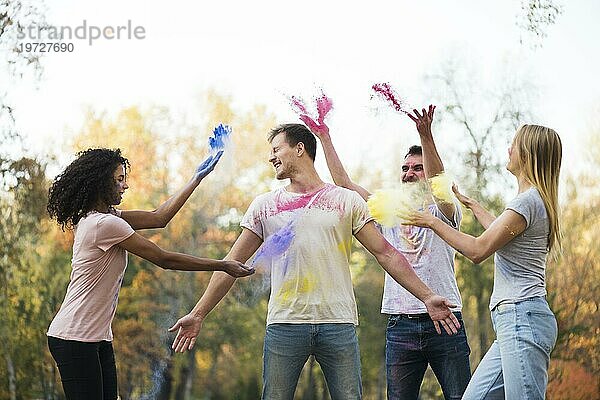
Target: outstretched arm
482 215
188 327
504 228
160 217
336 168
398 267
142 247
431 159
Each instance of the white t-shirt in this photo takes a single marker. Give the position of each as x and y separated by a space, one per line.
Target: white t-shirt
432 260
310 282
98 267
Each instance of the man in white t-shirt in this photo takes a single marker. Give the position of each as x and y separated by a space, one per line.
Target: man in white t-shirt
412 342
312 309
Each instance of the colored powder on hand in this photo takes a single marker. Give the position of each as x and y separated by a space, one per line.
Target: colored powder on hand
441 188
219 138
385 91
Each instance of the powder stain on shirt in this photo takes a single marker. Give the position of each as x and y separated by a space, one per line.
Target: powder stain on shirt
291 288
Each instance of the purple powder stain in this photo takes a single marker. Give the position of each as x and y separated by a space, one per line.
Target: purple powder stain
219 138
387 93
277 243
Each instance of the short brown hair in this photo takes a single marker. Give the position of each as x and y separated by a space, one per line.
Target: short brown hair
294 134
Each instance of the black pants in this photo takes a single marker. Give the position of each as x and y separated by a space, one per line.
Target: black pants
87 370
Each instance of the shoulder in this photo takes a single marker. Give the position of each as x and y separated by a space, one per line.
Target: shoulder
530 197
266 201
343 193
267 197
529 205
107 221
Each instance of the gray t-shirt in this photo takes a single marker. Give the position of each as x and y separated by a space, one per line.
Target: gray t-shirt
432 260
520 266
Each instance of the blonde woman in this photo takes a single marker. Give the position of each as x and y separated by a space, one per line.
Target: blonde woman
516 365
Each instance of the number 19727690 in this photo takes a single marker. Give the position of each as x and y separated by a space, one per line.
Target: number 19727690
45 47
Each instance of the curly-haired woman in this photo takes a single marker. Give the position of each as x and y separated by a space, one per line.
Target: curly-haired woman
83 197
516 365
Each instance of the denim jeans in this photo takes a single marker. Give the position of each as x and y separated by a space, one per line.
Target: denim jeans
516 366
411 344
288 346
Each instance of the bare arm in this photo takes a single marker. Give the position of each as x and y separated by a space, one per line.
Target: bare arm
188 327
432 161
508 225
482 215
336 168
160 217
398 267
142 247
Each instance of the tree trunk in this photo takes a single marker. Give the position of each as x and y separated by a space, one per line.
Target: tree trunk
381 381
482 314
47 386
12 379
166 383
53 381
186 375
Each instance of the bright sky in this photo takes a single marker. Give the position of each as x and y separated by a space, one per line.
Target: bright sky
256 51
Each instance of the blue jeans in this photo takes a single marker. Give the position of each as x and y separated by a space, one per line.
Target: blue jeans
411 344
516 366
288 346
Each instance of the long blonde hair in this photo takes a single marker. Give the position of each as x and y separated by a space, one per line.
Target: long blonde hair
540 153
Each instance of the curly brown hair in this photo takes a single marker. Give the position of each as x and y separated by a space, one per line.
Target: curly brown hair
86 181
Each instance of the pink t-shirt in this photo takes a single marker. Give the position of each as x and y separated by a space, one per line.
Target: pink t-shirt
98 266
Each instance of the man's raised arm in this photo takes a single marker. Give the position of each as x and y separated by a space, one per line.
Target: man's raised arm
336 169
431 159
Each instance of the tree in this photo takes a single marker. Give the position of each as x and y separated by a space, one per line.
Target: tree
573 288
22 181
536 17
22 214
15 17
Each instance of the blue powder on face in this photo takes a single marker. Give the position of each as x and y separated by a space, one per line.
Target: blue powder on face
220 136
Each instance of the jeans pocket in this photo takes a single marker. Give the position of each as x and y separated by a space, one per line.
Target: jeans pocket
505 308
543 328
392 321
